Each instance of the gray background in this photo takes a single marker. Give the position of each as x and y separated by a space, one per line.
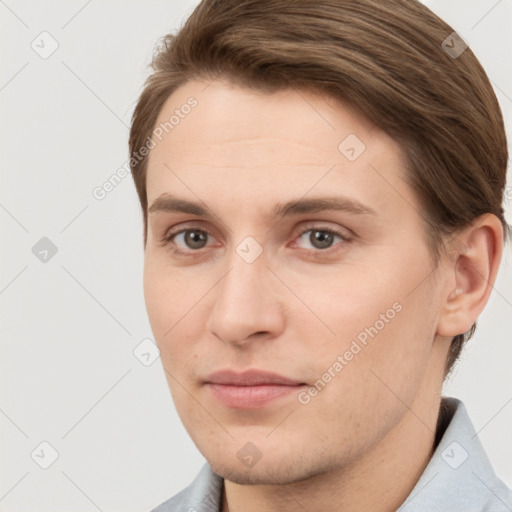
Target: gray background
70 324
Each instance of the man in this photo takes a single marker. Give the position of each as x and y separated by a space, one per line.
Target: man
322 185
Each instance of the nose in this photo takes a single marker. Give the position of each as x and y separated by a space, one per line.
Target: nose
247 305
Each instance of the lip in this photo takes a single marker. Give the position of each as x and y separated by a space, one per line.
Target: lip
250 378
250 389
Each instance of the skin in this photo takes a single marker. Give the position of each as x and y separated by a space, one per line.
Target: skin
363 441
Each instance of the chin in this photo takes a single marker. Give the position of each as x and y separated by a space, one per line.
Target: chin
269 472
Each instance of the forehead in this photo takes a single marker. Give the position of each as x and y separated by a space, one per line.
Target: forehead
289 141
226 113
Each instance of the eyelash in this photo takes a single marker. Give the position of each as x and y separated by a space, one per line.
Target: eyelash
167 240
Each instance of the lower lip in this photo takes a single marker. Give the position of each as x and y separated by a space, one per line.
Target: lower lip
250 397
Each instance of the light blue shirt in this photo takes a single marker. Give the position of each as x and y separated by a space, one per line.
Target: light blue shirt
458 478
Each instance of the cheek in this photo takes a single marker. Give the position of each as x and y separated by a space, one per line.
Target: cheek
157 297
384 326
167 292
366 397
164 298
174 301
353 303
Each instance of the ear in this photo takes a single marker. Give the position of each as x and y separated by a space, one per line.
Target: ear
473 265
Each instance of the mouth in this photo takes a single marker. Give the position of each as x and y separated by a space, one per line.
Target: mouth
250 389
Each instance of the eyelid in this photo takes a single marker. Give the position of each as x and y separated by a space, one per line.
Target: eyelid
192 226
343 232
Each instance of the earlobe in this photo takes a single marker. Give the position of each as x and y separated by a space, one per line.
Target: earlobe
471 275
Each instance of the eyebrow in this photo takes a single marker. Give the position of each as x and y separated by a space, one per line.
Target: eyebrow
170 203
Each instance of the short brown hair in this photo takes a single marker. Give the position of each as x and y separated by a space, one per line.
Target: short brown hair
388 58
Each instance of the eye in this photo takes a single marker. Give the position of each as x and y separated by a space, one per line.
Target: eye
322 238
186 240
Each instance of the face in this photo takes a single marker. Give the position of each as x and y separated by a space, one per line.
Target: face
287 280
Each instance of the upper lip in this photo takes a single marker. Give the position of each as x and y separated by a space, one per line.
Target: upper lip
250 378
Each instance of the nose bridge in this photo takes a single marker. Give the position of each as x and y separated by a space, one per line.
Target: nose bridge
244 303
247 262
